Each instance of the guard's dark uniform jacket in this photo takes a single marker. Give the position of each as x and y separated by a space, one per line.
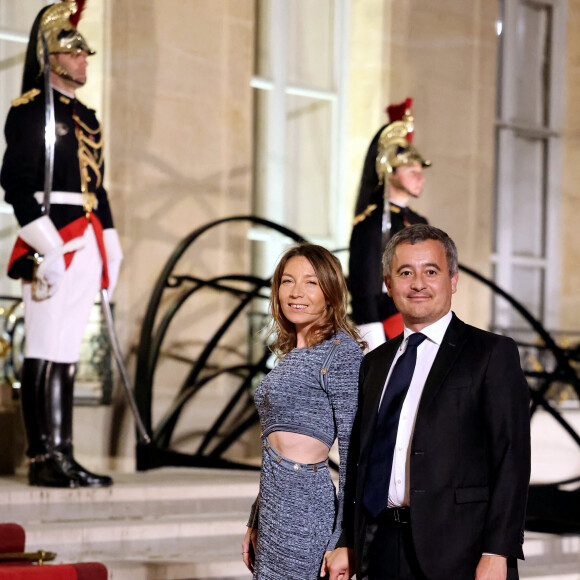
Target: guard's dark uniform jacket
369 302
78 150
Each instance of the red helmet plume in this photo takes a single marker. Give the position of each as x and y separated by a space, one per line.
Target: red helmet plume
398 112
74 19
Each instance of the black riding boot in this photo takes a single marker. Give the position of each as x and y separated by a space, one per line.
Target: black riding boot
31 396
62 381
46 468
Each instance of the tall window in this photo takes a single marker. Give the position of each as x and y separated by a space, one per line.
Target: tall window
528 158
300 120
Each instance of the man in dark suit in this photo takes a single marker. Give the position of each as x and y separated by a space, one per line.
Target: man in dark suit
440 452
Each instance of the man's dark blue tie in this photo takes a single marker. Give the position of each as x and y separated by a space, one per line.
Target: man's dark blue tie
376 492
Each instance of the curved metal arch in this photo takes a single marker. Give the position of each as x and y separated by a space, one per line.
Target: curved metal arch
150 344
564 370
198 366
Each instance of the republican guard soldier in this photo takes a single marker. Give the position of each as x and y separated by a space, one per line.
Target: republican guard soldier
67 247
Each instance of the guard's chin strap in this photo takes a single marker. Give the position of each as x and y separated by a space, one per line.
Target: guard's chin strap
398 185
61 72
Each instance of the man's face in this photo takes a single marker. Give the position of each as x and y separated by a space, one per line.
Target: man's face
74 64
411 178
420 284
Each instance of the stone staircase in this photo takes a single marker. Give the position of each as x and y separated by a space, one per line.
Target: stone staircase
167 524
184 524
550 557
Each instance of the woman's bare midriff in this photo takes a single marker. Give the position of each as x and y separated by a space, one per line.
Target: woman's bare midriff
298 447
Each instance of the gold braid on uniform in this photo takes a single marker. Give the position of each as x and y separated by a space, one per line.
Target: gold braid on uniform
25 98
90 155
361 217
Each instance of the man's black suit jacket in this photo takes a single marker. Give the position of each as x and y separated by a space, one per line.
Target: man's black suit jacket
469 455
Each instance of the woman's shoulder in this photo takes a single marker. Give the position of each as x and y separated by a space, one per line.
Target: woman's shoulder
346 345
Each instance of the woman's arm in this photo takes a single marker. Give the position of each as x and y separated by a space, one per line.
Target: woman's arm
343 394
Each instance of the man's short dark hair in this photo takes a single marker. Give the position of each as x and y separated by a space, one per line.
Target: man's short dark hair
421 233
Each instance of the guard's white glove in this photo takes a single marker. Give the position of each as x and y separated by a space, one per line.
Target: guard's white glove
373 333
43 237
114 257
49 273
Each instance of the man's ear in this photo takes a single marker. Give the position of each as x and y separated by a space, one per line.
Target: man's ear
454 282
387 280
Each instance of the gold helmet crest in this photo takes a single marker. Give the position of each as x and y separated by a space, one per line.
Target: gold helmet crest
394 145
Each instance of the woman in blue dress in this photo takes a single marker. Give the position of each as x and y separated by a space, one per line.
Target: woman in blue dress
305 403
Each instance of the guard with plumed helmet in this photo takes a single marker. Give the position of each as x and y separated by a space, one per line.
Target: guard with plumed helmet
67 247
392 177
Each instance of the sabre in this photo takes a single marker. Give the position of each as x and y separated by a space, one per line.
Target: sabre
49 127
107 314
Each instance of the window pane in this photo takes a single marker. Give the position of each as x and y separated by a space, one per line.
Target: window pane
528 201
533 63
310 43
262 32
260 164
527 285
308 165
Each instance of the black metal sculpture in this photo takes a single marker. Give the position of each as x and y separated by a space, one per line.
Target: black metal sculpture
214 443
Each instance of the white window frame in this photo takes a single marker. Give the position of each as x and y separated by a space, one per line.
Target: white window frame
504 258
272 206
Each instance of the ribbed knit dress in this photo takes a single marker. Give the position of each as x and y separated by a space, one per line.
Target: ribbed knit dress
312 391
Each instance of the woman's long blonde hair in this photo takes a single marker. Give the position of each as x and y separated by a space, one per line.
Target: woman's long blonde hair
333 285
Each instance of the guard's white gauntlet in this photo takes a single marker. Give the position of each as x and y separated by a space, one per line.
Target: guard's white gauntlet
373 333
114 257
43 237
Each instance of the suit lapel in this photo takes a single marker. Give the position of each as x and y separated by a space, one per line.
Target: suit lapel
449 350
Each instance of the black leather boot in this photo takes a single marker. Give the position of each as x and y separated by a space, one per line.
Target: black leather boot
46 469
62 388
31 397
51 471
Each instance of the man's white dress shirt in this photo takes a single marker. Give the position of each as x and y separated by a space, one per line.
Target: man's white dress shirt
426 353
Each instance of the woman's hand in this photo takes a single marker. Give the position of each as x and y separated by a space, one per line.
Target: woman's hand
249 546
338 564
